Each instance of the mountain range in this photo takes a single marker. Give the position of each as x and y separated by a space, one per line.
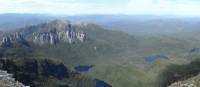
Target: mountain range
126 23
100 46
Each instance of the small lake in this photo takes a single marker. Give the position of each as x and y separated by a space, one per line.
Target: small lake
100 83
83 68
194 50
155 58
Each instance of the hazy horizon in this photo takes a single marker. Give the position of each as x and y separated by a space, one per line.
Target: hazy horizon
107 7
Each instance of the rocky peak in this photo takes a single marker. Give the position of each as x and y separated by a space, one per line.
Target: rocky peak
81 24
51 33
59 31
59 22
58 25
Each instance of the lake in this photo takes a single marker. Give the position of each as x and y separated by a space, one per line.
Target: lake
154 58
83 68
194 50
100 83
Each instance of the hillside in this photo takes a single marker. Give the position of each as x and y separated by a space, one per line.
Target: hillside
73 43
44 73
77 39
115 57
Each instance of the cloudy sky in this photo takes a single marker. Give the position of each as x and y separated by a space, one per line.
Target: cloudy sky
74 7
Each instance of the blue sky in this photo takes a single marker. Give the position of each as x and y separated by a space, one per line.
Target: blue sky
76 7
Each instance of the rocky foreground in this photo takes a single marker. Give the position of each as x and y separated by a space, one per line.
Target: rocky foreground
7 80
192 82
36 72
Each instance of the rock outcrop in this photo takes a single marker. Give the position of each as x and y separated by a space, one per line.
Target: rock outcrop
191 82
54 37
7 80
13 39
52 33
58 31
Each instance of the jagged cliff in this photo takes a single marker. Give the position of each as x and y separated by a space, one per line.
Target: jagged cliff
58 31
13 39
52 33
54 37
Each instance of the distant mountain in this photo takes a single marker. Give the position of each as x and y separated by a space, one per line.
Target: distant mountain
65 40
52 33
13 21
126 23
56 31
143 23
154 25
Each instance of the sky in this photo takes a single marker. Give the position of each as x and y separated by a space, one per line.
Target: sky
77 7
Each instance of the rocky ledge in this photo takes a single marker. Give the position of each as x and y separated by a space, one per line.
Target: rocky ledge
191 82
7 80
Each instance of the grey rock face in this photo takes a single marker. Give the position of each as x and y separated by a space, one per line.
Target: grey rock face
47 37
48 33
8 41
58 36
81 36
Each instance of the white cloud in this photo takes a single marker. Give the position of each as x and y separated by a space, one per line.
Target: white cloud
173 7
169 7
47 6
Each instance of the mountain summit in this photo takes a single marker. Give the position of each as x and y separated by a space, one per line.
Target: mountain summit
52 33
